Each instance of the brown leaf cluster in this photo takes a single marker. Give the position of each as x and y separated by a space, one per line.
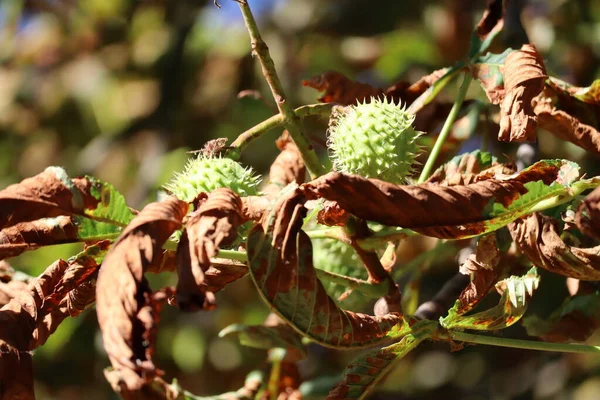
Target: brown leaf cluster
537 237
213 225
127 312
524 77
33 314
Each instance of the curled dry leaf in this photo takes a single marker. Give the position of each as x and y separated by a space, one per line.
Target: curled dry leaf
492 20
439 211
288 167
213 225
331 214
587 217
340 89
537 237
53 193
470 168
281 265
126 311
567 127
524 77
34 313
575 320
481 265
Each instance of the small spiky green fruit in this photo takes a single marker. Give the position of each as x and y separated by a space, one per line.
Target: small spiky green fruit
205 174
374 140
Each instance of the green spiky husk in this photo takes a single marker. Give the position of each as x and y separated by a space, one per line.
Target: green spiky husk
203 174
374 140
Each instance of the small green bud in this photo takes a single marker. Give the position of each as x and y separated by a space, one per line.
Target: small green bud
374 140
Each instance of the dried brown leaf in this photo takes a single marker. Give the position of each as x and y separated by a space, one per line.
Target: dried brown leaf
288 166
25 236
587 217
492 20
524 76
331 214
481 265
467 171
339 89
213 225
566 126
433 210
48 194
127 313
538 238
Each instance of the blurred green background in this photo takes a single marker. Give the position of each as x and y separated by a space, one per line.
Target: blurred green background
122 89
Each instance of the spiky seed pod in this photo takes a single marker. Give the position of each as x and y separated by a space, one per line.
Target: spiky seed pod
374 140
205 174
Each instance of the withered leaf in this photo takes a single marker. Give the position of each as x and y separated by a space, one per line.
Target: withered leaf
34 313
489 26
444 212
537 237
281 266
481 265
524 77
288 167
489 71
361 375
567 127
515 293
127 313
26 236
587 217
469 168
339 89
53 193
575 320
213 225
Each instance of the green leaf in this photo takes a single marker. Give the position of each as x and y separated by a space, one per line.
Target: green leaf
265 337
589 94
363 374
111 206
516 291
89 229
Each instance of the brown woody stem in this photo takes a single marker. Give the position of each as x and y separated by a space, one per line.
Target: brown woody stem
291 121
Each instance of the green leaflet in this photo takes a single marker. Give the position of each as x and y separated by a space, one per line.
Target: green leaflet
111 207
89 229
516 290
539 195
361 376
590 94
265 337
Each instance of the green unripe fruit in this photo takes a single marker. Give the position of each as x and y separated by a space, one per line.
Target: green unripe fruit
374 140
205 174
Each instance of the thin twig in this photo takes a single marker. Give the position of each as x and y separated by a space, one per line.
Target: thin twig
290 119
245 138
